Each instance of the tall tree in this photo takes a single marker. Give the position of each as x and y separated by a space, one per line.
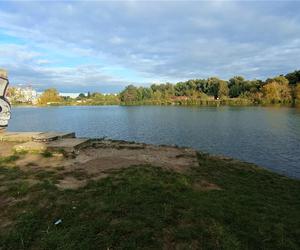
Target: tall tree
293 77
130 94
277 90
297 92
217 87
237 86
223 89
49 96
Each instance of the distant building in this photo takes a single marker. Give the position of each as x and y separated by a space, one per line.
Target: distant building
114 94
29 94
72 95
22 95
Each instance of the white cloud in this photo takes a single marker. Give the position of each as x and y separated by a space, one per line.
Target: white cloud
72 44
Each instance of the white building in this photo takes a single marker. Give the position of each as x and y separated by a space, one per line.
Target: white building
23 94
72 95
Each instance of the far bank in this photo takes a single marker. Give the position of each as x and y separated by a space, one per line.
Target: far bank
211 91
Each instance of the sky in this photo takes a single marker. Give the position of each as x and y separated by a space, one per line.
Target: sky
81 46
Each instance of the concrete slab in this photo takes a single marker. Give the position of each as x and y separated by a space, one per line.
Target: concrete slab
67 144
51 136
34 136
18 136
42 141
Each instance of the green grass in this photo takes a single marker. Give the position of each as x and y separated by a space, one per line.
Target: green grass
47 154
147 207
8 159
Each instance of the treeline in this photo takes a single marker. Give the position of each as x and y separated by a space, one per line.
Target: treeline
237 90
212 91
51 97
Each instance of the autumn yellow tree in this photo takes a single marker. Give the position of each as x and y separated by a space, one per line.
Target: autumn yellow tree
49 96
297 92
277 90
223 90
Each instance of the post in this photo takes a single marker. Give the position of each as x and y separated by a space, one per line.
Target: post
4 104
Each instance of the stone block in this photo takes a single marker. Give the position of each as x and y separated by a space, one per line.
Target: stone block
51 136
18 136
67 144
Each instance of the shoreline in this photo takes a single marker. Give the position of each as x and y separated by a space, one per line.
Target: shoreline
8 148
158 105
11 148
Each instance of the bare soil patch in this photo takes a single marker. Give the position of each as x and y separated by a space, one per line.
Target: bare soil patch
70 182
103 156
205 186
6 148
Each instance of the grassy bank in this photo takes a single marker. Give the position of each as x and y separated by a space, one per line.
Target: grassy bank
221 204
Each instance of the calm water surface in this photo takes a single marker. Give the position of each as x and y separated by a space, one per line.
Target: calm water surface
269 137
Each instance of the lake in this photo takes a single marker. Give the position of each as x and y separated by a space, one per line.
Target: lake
267 136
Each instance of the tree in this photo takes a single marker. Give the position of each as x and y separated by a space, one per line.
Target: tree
277 90
223 89
129 94
237 86
212 86
254 85
180 89
201 85
98 97
217 87
297 92
279 80
293 77
49 96
81 96
168 90
147 93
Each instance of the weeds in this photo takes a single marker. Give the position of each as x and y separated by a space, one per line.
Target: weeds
147 207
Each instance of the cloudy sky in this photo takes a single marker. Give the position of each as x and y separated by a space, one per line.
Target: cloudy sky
80 46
